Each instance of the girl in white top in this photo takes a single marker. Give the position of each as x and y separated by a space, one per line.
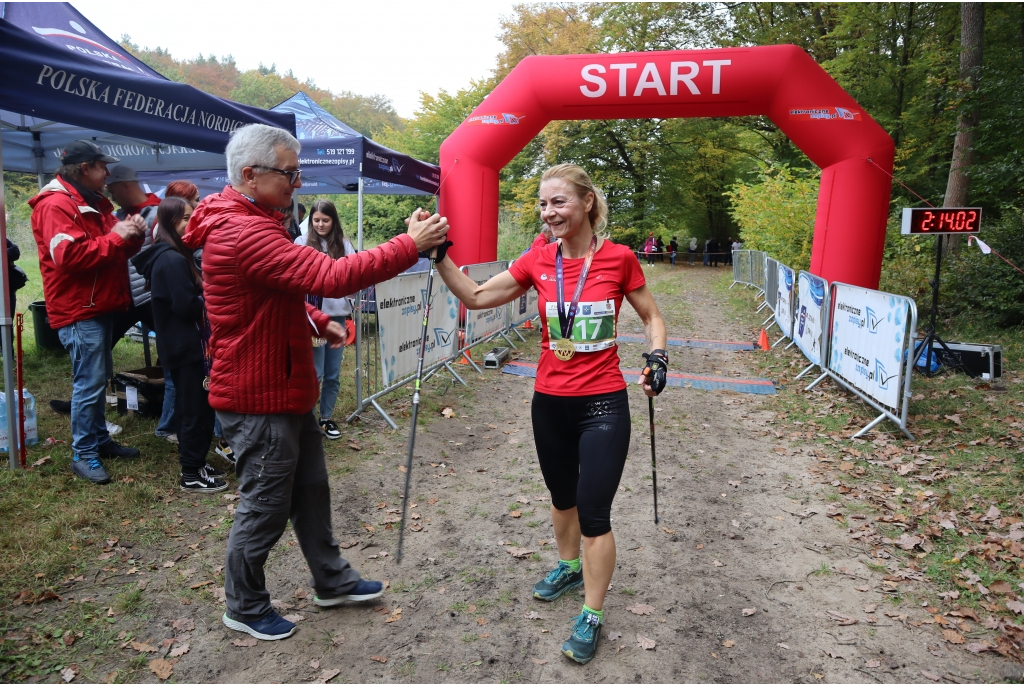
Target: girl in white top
326 235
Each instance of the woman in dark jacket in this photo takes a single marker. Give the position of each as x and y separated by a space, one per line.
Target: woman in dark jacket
180 319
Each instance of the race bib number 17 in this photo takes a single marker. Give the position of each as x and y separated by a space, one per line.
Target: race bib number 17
593 329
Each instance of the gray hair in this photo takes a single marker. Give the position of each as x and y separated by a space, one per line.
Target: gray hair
256 145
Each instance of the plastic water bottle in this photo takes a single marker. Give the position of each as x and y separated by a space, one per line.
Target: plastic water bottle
31 424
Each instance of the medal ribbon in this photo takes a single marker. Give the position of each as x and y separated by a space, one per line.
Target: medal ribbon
565 319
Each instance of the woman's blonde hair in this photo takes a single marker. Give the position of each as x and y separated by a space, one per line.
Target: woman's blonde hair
580 181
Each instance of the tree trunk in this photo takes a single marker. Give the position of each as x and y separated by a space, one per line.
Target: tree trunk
972 34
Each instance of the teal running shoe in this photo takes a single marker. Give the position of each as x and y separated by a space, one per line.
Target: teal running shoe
558 582
582 644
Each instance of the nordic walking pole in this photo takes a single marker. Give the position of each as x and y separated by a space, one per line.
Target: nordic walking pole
654 460
416 403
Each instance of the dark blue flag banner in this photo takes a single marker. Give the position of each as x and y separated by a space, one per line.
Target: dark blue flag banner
56 66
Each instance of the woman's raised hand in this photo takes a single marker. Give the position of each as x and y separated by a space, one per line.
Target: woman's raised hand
426 229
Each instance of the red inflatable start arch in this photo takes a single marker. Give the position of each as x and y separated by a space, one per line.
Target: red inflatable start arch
779 81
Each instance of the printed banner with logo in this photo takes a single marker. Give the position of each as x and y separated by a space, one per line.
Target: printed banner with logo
869 334
523 308
810 313
784 299
400 322
483 322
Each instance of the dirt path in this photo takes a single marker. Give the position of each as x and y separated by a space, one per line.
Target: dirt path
741 574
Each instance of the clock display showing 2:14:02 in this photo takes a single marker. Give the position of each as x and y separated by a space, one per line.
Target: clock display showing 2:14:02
920 220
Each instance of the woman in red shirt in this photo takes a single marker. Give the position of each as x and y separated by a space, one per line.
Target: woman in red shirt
580 409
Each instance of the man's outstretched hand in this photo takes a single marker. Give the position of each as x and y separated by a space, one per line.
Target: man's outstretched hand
427 230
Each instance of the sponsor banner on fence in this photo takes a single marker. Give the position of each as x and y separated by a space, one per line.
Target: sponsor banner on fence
400 322
483 322
784 299
869 331
523 308
810 311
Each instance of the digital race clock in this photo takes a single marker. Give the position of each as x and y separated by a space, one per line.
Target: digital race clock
939 220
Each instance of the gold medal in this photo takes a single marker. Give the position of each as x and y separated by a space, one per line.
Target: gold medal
564 349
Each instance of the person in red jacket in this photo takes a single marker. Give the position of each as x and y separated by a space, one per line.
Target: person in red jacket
83 258
263 383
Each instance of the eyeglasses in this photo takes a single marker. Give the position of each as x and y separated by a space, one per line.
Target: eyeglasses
293 176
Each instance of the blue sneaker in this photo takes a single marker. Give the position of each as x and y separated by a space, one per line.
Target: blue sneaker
558 582
270 627
91 470
363 591
582 644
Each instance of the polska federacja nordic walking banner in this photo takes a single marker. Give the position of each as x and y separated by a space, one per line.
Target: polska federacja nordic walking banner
868 341
784 300
810 315
400 324
481 323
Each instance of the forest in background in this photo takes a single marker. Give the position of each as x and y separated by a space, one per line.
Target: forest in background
719 177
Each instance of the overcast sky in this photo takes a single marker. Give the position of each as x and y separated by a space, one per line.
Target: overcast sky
391 48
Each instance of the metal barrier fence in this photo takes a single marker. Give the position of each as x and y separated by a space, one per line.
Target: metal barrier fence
771 286
812 322
741 268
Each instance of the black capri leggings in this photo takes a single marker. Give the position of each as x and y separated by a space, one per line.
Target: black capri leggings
582 444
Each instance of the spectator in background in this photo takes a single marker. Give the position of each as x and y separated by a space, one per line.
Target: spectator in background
83 259
659 247
180 319
17 278
673 247
707 252
543 238
692 249
326 235
650 247
727 248
714 249
190 192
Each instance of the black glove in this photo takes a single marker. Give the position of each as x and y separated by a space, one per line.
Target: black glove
442 250
656 369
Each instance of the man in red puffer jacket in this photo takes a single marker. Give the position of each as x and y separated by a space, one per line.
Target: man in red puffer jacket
263 382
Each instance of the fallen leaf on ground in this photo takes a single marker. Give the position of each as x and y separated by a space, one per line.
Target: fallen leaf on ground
783 645
872 663
645 642
338 639
955 418
640 609
143 647
281 605
516 514
381 659
833 655
717 563
539 662
841 619
369 528
953 636
728 644
247 642
179 650
314 664
162 668
1001 587
448 412
668 530
931 675
863 588
750 611
183 625
533 616
519 552
613 636
481 621
522 500
328 674
40 462
870 608
395 615
68 674
1015 607
979 647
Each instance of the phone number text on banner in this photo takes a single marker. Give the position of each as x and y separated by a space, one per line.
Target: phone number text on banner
810 308
784 300
481 323
400 321
869 332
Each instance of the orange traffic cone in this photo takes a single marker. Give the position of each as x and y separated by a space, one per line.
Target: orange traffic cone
763 341
462 359
528 326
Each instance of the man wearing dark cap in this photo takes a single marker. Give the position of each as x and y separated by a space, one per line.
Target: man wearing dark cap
83 259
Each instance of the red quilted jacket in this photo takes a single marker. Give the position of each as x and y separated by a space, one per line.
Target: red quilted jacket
255 281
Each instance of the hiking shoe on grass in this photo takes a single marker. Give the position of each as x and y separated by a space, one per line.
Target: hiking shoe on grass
116 450
223 449
582 643
91 470
558 582
61 407
330 429
363 591
200 482
270 627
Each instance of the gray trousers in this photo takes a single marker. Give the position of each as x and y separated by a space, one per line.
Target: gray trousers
282 476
